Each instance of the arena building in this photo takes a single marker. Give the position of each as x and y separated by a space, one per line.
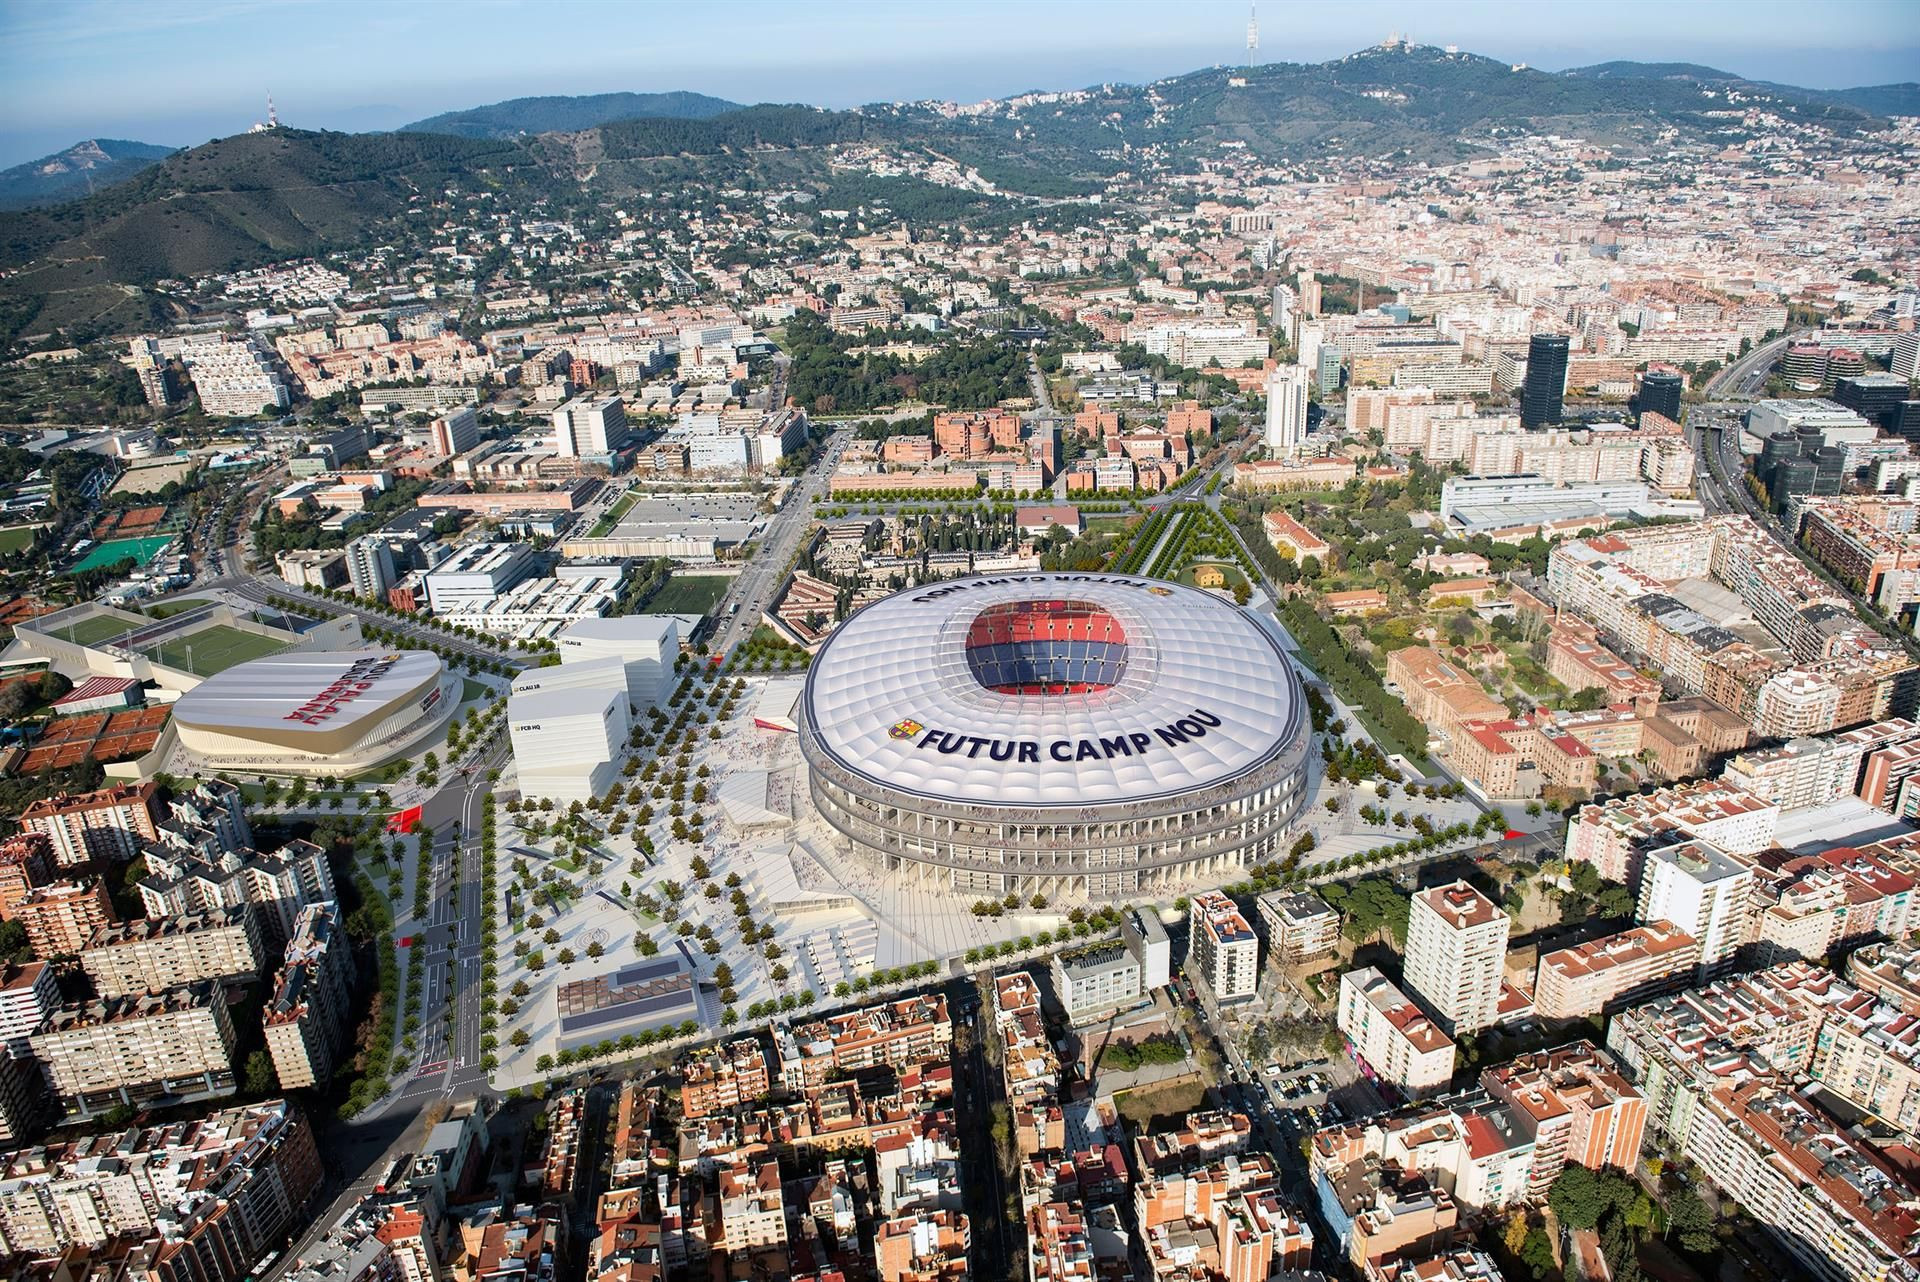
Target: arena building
324 712
1071 735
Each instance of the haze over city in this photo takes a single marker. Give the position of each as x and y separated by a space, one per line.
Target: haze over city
182 74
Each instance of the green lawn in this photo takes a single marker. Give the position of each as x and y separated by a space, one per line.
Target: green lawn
605 525
689 594
1107 524
16 537
471 690
94 629
214 650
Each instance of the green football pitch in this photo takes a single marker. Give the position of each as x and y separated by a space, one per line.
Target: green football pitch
214 649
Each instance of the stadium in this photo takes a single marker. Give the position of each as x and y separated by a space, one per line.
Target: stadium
1070 735
331 712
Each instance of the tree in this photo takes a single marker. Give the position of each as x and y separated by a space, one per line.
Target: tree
260 1076
1537 1253
1579 1198
520 1037
1691 1221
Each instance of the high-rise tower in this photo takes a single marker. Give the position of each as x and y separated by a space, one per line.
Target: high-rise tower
1546 386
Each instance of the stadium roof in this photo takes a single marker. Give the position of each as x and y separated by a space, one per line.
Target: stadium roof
1076 688
316 701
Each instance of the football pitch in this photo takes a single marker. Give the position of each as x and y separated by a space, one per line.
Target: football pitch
214 649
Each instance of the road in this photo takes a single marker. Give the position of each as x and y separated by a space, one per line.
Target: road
754 587
1747 376
356 1152
449 1058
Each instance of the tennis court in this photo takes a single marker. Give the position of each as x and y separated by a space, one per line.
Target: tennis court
141 550
214 649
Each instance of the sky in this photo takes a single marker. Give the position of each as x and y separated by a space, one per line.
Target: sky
182 73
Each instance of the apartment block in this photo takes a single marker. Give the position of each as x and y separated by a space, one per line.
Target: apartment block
176 1045
1891 972
1617 970
1612 836
106 826
1397 1040
1703 892
722 1079
1805 906
1832 1201
912 1030
199 1201
1301 926
1096 977
1383 1212
27 994
151 955
61 917
753 1215
306 1020
925 1246
1456 952
1576 1108
25 859
277 886
1222 948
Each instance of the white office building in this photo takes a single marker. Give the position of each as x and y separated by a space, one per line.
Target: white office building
648 645
476 573
1456 950
590 427
1703 891
569 726
1286 410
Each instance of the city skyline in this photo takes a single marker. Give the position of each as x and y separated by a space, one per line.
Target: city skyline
376 74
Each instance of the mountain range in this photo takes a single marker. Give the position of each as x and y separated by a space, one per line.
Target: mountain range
82 168
517 116
255 198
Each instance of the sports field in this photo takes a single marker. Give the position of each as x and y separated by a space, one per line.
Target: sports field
689 594
141 550
15 537
94 629
213 649
167 609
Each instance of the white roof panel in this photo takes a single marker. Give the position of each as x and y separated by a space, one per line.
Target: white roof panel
1204 695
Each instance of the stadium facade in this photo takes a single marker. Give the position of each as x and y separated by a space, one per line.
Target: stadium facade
1070 735
322 712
